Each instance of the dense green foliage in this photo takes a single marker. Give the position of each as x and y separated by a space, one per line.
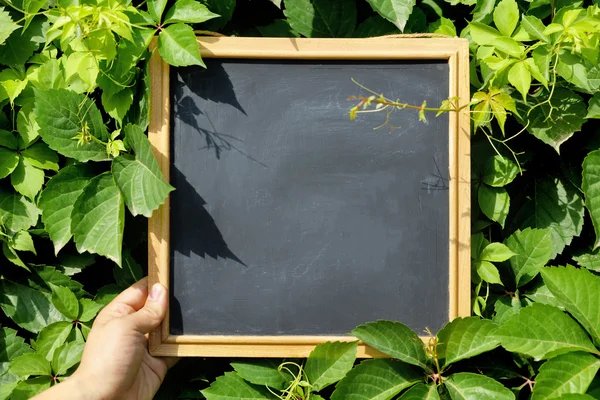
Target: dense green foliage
78 179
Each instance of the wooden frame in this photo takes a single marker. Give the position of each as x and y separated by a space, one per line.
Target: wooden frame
455 51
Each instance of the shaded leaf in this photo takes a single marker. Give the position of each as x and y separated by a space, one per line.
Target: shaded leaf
16 212
533 248
468 386
494 203
329 362
499 171
395 11
591 189
421 392
567 373
321 18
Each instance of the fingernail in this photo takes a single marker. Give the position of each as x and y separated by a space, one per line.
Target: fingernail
157 292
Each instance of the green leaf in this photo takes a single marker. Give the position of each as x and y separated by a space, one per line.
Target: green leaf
22 241
140 179
27 179
376 380
483 34
540 293
16 212
567 373
554 131
594 107
576 289
542 58
542 331
67 356
231 386
421 392
533 248
20 45
65 301
277 28
483 11
117 105
88 309
9 159
30 364
329 362
322 18
11 345
590 261
156 9
188 11
7 139
520 77
41 156
573 69
496 252
58 199
178 46
394 339
98 218
469 386
535 27
506 16
374 26
591 189
487 271
7 26
262 372
62 115
575 396
395 11
12 256
464 338
27 126
31 387
224 8
499 171
494 203
52 337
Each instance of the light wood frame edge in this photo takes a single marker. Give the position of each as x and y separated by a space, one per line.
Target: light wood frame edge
456 51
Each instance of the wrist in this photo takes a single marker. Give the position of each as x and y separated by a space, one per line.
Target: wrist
80 388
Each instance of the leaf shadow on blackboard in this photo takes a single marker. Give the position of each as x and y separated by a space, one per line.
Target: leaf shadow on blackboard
195 231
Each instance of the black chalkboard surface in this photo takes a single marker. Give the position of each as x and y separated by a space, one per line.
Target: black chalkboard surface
290 219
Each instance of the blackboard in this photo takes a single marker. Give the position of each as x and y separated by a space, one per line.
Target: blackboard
288 218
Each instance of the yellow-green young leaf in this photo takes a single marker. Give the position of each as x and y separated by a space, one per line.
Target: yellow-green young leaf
324 18
263 372
591 189
469 386
7 25
41 156
594 107
542 331
535 27
376 379
22 241
98 218
27 179
542 58
553 28
483 34
58 199
567 373
9 159
576 289
232 386
421 392
16 212
443 26
188 11
494 203
66 356
509 46
520 77
533 248
52 337
177 45
156 9
329 362
30 364
487 271
140 178
88 309
464 338
12 83
535 72
394 339
499 171
496 252
27 126
27 389
506 16
65 301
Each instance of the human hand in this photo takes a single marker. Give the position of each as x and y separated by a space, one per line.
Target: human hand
116 363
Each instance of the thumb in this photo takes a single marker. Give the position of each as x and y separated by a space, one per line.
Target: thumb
153 312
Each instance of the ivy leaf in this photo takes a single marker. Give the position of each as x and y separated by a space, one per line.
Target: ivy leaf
554 131
62 115
12 256
329 362
494 203
483 34
98 218
394 339
542 331
487 271
65 301
533 248
395 11
52 337
7 25
188 11
27 179
591 189
232 386
576 290
374 26
117 104
9 160
12 345
19 46
277 28
30 364
7 139
178 46
421 392
464 338
58 199
506 16
22 241
496 252
27 389
262 372
567 373
27 126
322 18
590 261
483 11
520 77
379 379
16 212
535 27
41 156
499 171
156 9
224 8
594 107
469 386
67 356
88 309
140 179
